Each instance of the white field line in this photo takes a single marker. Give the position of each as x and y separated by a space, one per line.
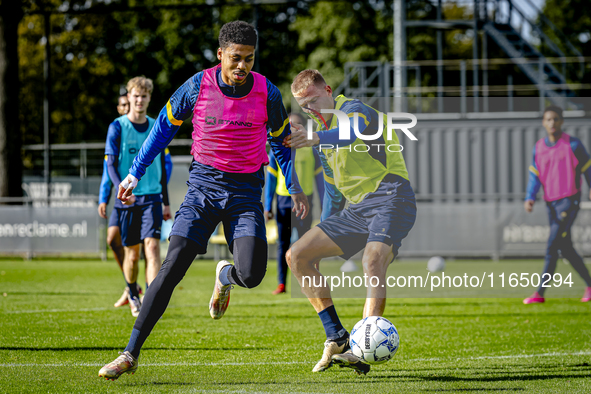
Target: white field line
516 356
155 365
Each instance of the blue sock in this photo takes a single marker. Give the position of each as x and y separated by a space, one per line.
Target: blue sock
134 346
332 325
133 291
225 281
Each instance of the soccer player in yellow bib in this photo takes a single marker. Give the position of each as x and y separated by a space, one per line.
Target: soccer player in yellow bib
380 214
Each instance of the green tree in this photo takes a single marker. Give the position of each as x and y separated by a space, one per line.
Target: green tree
334 33
573 19
10 141
94 53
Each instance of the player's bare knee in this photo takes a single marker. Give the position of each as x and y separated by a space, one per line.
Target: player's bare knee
153 250
375 263
114 240
296 259
288 258
132 253
151 247
369 265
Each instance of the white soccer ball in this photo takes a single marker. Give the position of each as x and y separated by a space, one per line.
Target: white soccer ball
374 340
436 264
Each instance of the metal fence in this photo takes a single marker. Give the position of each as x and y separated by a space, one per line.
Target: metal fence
469 175
478 159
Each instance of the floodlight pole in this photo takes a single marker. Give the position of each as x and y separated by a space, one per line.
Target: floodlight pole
255 17
475 56
439 61
399 51
46 109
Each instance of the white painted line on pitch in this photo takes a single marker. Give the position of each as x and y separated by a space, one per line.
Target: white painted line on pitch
232 364
516 356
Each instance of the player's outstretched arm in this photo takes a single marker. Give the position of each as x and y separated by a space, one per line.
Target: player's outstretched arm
299 138
278 129
171 117
359 118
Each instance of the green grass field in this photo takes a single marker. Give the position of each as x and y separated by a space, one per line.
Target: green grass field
58 327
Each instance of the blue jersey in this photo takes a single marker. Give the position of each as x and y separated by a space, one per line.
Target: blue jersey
112 154
106 184
584 167
181 106
130 144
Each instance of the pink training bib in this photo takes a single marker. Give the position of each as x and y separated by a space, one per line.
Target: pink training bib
557 168
230 133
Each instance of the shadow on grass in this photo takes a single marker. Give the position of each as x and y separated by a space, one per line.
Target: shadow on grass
501 378
503 369
372 379
51 293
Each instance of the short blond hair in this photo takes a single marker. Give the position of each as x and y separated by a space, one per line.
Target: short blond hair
140 83
306 78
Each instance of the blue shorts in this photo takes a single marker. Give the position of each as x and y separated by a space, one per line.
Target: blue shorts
204 207
386 216
114 218
138 222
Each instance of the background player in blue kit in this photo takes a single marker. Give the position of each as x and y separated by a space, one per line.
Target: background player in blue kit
113 231
140 218
235 111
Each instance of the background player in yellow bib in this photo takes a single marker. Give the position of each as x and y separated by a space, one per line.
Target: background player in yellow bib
381 210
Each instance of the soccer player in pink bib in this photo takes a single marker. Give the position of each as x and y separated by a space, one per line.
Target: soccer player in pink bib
559 160
235 112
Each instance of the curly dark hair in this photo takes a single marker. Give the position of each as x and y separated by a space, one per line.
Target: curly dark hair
554 108
237 32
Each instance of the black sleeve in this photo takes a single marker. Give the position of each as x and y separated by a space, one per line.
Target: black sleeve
112 169
163 180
